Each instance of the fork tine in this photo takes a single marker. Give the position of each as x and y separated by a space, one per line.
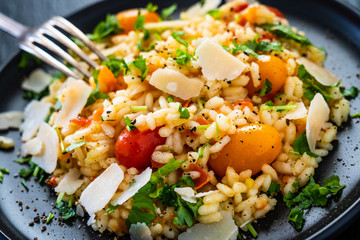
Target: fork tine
40 39
70 28
48 29
31 48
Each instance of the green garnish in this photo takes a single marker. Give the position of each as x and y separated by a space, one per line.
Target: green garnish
350 92
217 129
27 58
356 115
151 7
252 47
170 99
269 105
266 88
200 104
177 36
116 66
105 29
129 124
58 131
140 21
166 12
215 13
23 160
95 94
202 127
252 230
49 218
4 170
285 32
24 184
29 95
138 108
184 112
301 145
312 86
273 190
75 145
183 57
1 177
65 210
59 198
140 63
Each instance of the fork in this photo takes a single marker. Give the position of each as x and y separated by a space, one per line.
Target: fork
40 40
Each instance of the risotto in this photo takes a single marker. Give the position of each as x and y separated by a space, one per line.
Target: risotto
191 125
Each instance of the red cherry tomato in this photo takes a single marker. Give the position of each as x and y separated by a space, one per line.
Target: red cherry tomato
134 149
276 11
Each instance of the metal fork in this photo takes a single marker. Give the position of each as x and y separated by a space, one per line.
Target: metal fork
32 39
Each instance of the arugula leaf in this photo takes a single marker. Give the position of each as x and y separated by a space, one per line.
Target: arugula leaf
312 86
29 95
151 7
140 63
129 124
26 58
263 46
140 21
301 145
333 184
285 32
66 210
215 13
105 29
165 170
273 190
269 105
74 145
177 36
116 66
350 93
166 12
95 94
266 88
183 57
297 217
247 48
184 112
183 217
142 42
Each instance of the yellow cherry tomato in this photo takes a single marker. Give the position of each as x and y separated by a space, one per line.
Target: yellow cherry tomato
273 69
250 147
128 18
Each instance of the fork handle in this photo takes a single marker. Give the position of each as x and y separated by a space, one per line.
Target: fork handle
12 27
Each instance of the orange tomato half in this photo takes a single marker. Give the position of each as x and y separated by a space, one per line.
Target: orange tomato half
273 69
250 147
128 18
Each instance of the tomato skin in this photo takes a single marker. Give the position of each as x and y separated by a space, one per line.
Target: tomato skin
204 176
244 103
240 7
276 11
134 149
249 148
128 18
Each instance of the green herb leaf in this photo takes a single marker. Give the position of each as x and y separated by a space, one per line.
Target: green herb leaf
4 170
285 32
269 105
215 13
312 86
151 7
297 217
140 21
142 45
23 160
138 108
29 95
266 88
27 58
170 99
301 145
95 94
74 145
350 93
217 130
111 208
116 66
58 131
183 57
166 12
203 127
24 184
105 29
165 170
140 63
129 125
1 177
263 46
184 112
252 230
202 2
333 184
273 190
177 36
356 115
248 48
67 212
49 218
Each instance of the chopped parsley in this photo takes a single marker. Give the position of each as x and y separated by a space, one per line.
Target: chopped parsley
151 7
273 190
356 115
110 26
117 66
217 130
24 184
183 57
74 145
269 105
311 194
178 37
215 13
95 94
140 63
252 230
34 171
312 86
184 112
202 127
350 92
301 145
200 104
254 46
140 21
29 95
266 88
49 218
66 211
2 171
129 124
170 99
26 59
166 12
138 108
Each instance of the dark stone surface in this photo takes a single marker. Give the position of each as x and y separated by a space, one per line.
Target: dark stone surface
34 12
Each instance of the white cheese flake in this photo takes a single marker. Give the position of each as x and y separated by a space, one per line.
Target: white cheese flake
11 119
198 10
37 81
35 113
139 181
216 63
99 192
140 231
175 83
186 193
74 93
32 147
70 182
47 160
318 114
299 112
225 229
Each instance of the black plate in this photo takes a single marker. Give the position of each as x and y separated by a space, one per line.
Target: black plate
327 23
